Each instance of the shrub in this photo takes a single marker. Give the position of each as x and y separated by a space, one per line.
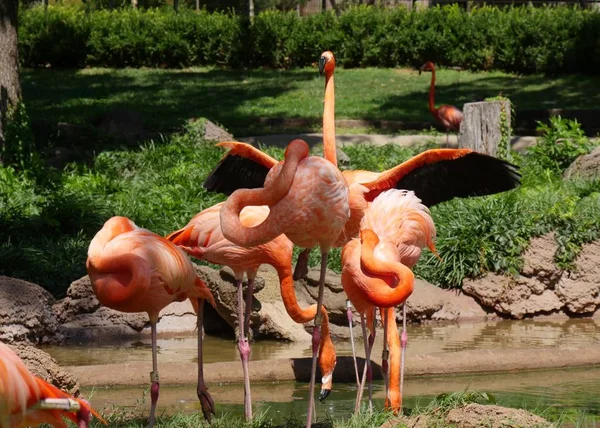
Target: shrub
514 39
561 142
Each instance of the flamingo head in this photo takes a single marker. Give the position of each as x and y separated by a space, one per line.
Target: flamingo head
428 66
117 225
297 148
368 236
326 62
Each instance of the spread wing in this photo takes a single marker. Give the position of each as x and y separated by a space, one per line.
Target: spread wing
439 175
242 167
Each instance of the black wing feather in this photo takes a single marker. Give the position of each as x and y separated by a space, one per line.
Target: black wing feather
474 174
235 172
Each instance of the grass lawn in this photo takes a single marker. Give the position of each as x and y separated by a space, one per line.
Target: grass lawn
238 98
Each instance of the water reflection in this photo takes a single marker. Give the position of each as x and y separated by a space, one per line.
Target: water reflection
423 339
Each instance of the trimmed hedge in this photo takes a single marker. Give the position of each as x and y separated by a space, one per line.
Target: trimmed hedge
519 39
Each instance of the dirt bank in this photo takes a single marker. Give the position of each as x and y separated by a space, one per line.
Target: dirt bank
298 369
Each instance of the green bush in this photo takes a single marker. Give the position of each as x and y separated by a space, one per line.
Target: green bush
560 143
517 39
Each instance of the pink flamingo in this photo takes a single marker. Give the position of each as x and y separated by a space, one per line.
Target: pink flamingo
202 238
376 272
308 201
449 116
135 270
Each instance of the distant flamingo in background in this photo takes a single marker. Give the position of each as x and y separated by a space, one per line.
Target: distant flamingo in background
449 116
26 400
376 272
308 201
135 270
202 238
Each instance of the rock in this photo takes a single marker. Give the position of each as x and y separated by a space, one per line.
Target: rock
45 367
586 166
342 157
83 318
307 291
478 415
581 289
275 323
215 133
429 302
122 123
26 313
542 288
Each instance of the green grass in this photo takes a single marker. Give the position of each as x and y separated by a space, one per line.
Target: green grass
238 98
46 223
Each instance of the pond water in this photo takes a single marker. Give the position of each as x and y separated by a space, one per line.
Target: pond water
422 339
567 389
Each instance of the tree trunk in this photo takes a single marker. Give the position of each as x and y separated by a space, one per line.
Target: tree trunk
197 5
10 87
251 9
176 5
134 4
482 127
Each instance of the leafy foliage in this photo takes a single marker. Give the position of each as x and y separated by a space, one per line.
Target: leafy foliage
561 142
19 150
516 39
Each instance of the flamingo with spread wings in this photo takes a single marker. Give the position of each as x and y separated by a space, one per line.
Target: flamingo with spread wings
203 238
376 273
27 400
449 116
134 270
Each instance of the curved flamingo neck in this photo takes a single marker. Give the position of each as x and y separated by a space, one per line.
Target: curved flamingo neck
380 293
432 108
329 147
269 229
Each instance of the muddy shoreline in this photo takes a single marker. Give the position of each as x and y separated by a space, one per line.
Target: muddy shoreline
298 369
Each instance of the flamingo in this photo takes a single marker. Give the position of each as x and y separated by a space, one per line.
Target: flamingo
203 238
436 175
308 201
27 400
449 116
376 272
134 270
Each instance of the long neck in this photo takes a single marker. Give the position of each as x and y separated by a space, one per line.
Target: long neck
270 228
329 147
432 92
380 293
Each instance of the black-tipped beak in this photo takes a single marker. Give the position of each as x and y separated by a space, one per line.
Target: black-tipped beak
322 62
324 394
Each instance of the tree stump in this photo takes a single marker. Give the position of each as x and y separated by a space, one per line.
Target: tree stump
482 127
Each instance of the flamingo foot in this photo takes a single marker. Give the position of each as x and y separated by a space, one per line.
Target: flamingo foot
83 417
301 269
206 401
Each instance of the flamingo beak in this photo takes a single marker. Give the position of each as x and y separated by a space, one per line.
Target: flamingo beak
322 62
324 394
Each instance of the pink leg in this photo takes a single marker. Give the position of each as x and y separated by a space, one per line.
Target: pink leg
316 340
301 269
244 349
367 375
350 317
154 388
206 401
403 342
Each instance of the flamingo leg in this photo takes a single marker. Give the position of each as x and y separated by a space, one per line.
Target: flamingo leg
301 269
369 366
244 349
206 401
350 317
249 295
155 387
367 369
385 353
316 339
403 342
